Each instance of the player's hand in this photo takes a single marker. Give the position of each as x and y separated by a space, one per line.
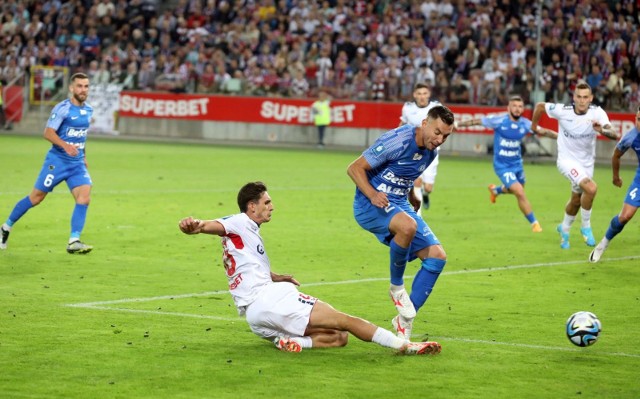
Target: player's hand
617 181
70 149
414 201
380 199
189 225
597 127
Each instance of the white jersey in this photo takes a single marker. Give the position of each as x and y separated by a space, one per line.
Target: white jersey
414 115
576 136
245 259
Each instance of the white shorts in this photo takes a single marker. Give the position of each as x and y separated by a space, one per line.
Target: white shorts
280 310
429 174
575 172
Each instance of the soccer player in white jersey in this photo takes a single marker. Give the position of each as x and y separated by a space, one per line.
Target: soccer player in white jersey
632 199
299 320
414 113
66 129
384 176
509 130
579 124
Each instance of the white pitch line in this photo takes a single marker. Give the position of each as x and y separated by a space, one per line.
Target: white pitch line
553 348
100 304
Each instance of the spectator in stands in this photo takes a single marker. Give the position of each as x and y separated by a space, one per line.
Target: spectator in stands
459 91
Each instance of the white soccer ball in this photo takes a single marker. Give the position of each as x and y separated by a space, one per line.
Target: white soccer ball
583 328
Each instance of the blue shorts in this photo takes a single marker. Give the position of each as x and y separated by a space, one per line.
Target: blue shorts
55 170
508 176
633 194
376 220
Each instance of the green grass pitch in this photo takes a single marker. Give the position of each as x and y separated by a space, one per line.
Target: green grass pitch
146 314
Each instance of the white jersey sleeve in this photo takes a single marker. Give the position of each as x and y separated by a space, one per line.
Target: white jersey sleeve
245 260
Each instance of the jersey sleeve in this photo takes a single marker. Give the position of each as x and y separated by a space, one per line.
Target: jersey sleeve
403 115
627 140
387 148
58 115
230 224
491 122
553 110
601 117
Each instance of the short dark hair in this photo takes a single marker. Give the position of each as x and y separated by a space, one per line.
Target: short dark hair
516 97
78 75
583 85
441 112
421 86
250 192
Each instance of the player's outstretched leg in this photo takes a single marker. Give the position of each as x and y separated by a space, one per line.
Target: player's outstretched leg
597 252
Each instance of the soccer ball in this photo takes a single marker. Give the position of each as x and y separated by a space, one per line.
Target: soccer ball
583 328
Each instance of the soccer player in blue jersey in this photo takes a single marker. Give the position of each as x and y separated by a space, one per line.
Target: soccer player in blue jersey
66 129
509 130
632 199
385 205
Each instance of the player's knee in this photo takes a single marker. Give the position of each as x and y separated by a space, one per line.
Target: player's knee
434 265
407 228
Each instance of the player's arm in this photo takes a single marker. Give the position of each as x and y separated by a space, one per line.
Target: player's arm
615 167
190 225
357 171
606 130
547 133
469 122
538 110
52 136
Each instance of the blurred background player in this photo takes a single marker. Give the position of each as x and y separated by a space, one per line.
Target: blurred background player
414 113
632 199
384 176
299 321
509 130
66 129
578 125
321 109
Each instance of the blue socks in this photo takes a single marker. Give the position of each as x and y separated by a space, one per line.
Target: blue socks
398 262
615 227
425 280
77 220
19 210
530 217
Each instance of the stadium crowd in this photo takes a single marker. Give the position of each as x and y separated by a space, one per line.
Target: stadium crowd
471 52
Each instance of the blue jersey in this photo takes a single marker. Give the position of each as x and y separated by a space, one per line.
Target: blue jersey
631 140
507 139
71 124
396 161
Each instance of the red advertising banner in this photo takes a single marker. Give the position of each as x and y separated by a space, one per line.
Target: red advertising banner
347 114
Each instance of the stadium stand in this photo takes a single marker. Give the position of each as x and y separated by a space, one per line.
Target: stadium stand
473 52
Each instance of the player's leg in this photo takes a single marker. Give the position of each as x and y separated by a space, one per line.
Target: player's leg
80 186
589 190
21 207
517 188
428 180
50 176
629 208
403 228
507 177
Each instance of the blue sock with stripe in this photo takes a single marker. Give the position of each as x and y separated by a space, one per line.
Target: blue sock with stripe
19 210
77 220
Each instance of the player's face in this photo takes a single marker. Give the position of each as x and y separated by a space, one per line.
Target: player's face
434 133
260 212
516 108
80 90
581 100
421 96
